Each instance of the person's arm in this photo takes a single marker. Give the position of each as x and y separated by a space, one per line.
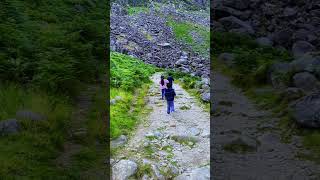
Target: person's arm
174 93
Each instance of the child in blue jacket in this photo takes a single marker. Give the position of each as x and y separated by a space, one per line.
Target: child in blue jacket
170 94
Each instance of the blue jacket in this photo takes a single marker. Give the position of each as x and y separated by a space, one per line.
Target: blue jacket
169 94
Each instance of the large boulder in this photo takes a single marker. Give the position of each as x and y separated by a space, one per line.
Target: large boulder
202 173
302 47
124 169
10 126
307 111
306 81
232 22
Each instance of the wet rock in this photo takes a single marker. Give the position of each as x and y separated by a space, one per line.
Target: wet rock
196 174
30 115
120 141
306 81
307 111
239 143
124 169
10 126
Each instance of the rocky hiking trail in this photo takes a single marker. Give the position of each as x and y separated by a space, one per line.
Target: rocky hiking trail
247 142
167 146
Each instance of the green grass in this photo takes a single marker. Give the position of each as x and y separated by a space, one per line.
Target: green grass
182 32
31 152
137 10
129 80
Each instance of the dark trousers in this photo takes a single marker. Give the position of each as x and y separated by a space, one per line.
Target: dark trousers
162 92
170 107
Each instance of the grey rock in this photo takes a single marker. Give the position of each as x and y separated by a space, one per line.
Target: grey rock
293 93
194 131
181 62
282 37
205 97
29 115
10 126
300 48
120 141
202 173
264 41
306 81
124 169
307 111
227 58
288 12
304 63
113 101
232 22
157 172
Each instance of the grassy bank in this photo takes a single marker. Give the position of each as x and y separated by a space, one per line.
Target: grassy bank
30 153
129 86
183 32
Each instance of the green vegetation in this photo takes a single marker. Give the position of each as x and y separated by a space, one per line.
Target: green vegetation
50 51
250 73
137 10
183 32
53 45
251 60
129 84
31 152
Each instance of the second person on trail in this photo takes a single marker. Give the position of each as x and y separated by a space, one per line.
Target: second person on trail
163 85
170 79
170 94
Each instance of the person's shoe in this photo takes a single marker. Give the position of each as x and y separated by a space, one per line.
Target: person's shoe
168 112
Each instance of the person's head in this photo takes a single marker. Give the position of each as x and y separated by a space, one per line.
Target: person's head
162 80
170 74
169 85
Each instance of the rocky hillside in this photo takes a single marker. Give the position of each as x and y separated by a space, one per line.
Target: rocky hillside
147 36
293 25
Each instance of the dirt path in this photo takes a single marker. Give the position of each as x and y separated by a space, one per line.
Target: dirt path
176 144
247 141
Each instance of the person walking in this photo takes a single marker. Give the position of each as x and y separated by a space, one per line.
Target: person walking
163 85
170 79
170 94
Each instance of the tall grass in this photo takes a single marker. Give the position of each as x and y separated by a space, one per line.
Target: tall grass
31 152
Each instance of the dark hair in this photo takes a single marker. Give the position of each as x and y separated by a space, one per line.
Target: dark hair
162 80
169 85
